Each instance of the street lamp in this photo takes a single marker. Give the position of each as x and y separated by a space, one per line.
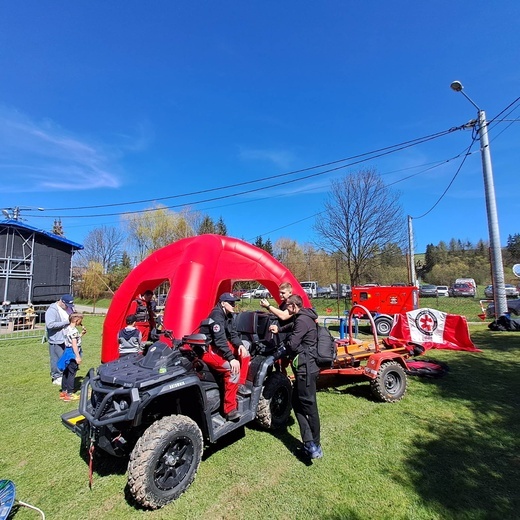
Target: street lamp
497 267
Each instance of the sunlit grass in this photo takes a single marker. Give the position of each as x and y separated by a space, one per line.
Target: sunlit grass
449 449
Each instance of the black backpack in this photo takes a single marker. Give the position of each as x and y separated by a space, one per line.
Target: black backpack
325 348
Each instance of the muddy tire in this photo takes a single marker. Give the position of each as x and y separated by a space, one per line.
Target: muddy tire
274 406
390 384
164 461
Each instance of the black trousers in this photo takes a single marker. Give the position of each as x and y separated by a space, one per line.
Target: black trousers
69 376
305 406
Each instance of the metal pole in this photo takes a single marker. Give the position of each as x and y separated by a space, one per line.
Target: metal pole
410 248
497 266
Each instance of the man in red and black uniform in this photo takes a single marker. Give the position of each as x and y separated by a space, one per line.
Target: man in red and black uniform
225 350
143 309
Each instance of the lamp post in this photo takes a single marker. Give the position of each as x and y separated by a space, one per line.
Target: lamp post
497 266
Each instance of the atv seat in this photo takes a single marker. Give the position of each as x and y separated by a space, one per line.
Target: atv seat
254 328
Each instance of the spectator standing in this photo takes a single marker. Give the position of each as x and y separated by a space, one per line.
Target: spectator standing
56 320
71 358
300 346
286 289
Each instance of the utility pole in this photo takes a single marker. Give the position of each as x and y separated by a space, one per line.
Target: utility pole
497 266
411 251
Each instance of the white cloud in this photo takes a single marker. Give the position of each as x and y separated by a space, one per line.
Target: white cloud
42 156
280 158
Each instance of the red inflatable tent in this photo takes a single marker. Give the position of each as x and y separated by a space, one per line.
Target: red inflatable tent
199 269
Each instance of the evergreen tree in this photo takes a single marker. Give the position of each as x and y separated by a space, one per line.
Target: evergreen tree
206 226
220 228
513 247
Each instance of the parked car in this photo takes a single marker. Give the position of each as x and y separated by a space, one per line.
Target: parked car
470 281
513 307
428 291
248 294
462 289
511 291
323 292
345 291
261 292
442 290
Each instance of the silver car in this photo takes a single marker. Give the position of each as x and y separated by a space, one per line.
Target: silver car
511 291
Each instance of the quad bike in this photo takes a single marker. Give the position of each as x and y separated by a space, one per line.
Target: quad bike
162 408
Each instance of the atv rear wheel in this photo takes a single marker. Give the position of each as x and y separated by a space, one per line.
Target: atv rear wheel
274 406
390 384
164 461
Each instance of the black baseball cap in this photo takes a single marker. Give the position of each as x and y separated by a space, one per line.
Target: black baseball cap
228 297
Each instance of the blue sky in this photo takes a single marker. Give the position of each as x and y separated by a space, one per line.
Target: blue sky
117 102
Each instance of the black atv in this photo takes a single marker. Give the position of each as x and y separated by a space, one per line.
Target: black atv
162 408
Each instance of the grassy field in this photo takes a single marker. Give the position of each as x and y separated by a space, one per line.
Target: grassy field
448 450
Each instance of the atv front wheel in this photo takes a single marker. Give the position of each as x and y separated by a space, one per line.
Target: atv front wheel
164 461
390 384
274 406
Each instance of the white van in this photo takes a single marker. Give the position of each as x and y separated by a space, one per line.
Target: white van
469 281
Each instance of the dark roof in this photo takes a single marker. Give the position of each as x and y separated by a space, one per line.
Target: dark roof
52 236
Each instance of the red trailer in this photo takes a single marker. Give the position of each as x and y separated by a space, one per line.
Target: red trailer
383 302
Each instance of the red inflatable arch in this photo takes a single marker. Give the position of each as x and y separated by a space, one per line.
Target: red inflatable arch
199 269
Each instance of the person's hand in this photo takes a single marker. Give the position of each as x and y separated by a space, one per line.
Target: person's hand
264 303
235 367
242 351
83 331
273 329
78 360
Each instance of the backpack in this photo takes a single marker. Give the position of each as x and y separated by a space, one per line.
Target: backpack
325 348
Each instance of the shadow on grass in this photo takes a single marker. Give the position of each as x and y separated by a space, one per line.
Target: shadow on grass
469 466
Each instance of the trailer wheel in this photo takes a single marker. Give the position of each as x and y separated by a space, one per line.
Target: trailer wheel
164 461
274 406
390 384
383 326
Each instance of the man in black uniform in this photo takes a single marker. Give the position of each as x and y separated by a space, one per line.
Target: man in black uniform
301 349
225 349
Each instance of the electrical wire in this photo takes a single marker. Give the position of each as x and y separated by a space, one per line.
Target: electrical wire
380 152
384 152
468 153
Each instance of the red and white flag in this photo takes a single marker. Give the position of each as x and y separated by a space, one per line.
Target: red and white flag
432 329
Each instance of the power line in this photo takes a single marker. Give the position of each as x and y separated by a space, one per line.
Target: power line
373 155
452 180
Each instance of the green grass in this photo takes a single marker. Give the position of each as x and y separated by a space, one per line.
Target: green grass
448 450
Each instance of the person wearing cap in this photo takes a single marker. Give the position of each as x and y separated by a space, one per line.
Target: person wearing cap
144 309
56 320
225 350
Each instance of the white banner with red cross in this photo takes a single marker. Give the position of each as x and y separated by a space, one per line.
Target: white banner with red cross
432 329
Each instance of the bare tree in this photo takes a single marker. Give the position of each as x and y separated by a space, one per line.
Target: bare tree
361 217
104 246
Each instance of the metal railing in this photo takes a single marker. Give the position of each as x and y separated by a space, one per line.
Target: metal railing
19 321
